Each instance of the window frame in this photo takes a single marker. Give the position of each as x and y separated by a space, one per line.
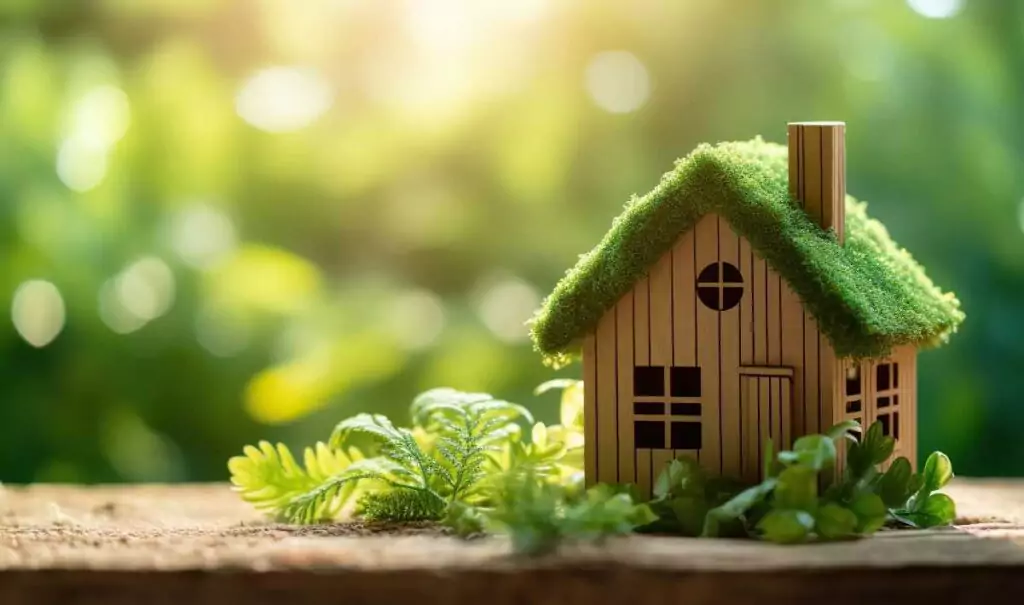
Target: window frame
674 409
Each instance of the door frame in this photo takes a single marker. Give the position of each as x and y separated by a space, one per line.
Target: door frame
781 434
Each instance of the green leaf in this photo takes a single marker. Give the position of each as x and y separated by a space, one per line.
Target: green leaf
870 511
797 489
736 507
689 514
877 445
835 522
769 459
681 476
843 429
786 526
938 471
815 451
557 383
894 487
938 509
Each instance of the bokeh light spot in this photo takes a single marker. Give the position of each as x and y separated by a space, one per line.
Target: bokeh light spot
146 288
202 235
81 164
416 319
283 99
936 9
504 305
38 312
617 81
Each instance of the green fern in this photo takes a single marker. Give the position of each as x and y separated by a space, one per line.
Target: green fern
401 505
269 477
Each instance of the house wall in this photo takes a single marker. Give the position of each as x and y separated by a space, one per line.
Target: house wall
863 402
660 322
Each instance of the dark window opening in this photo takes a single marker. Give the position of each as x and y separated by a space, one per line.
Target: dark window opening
886 428
685 382
895 400
649 381
644 407
649 434
686 435
720 286
882 377
853 407
853 381
710 297
686 409
883 402
896 425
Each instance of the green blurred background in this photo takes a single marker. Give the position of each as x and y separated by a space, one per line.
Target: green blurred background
226 220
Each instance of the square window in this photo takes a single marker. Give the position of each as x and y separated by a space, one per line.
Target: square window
685 382
896 425
649 434
853 407
853 381
649 381
883 402
644 407
686 435
882 377
895 375
886 427
686 409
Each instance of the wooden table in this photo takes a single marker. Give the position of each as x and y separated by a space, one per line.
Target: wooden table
198 545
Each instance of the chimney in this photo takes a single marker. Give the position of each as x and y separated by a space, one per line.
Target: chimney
817 172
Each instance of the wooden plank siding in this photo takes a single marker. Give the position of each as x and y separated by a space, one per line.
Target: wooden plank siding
769 336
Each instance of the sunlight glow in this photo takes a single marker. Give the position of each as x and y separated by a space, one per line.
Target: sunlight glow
81 164
38 312
202 235
416 319
505 304
141 293
283 99
936 9
617 81
95 123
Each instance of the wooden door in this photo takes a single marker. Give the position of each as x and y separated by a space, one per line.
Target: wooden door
765 406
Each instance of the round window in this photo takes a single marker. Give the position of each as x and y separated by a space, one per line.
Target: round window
720 286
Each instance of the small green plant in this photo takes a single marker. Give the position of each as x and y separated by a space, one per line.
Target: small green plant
786 506
466 462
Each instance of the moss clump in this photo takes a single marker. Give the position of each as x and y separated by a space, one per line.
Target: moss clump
867 296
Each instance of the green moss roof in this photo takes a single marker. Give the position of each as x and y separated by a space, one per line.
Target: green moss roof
868 295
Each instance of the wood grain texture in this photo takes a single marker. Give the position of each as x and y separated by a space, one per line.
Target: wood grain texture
624 409
641 322
199 544
729 330
684 301
661 311
708 340
607 396
590 408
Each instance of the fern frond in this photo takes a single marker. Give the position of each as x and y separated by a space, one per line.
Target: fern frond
268 476
402 505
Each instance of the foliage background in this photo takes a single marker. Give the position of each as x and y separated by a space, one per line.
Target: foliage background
254 217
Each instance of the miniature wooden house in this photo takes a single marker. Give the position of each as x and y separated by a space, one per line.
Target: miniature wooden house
744 298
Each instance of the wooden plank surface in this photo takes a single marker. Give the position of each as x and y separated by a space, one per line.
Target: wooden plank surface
625 454
199 544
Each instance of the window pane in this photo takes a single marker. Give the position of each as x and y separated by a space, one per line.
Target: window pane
882 377
646 407
731 297
895 400
685 382
884 419
649 381
852 407
648 434
730 274
896 425
709 296
853 381
686 435
686 409
709 274
883 402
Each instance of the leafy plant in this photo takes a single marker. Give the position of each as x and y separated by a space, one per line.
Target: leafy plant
539 515
786 506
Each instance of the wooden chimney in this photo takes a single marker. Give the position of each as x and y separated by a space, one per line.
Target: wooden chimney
817 171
